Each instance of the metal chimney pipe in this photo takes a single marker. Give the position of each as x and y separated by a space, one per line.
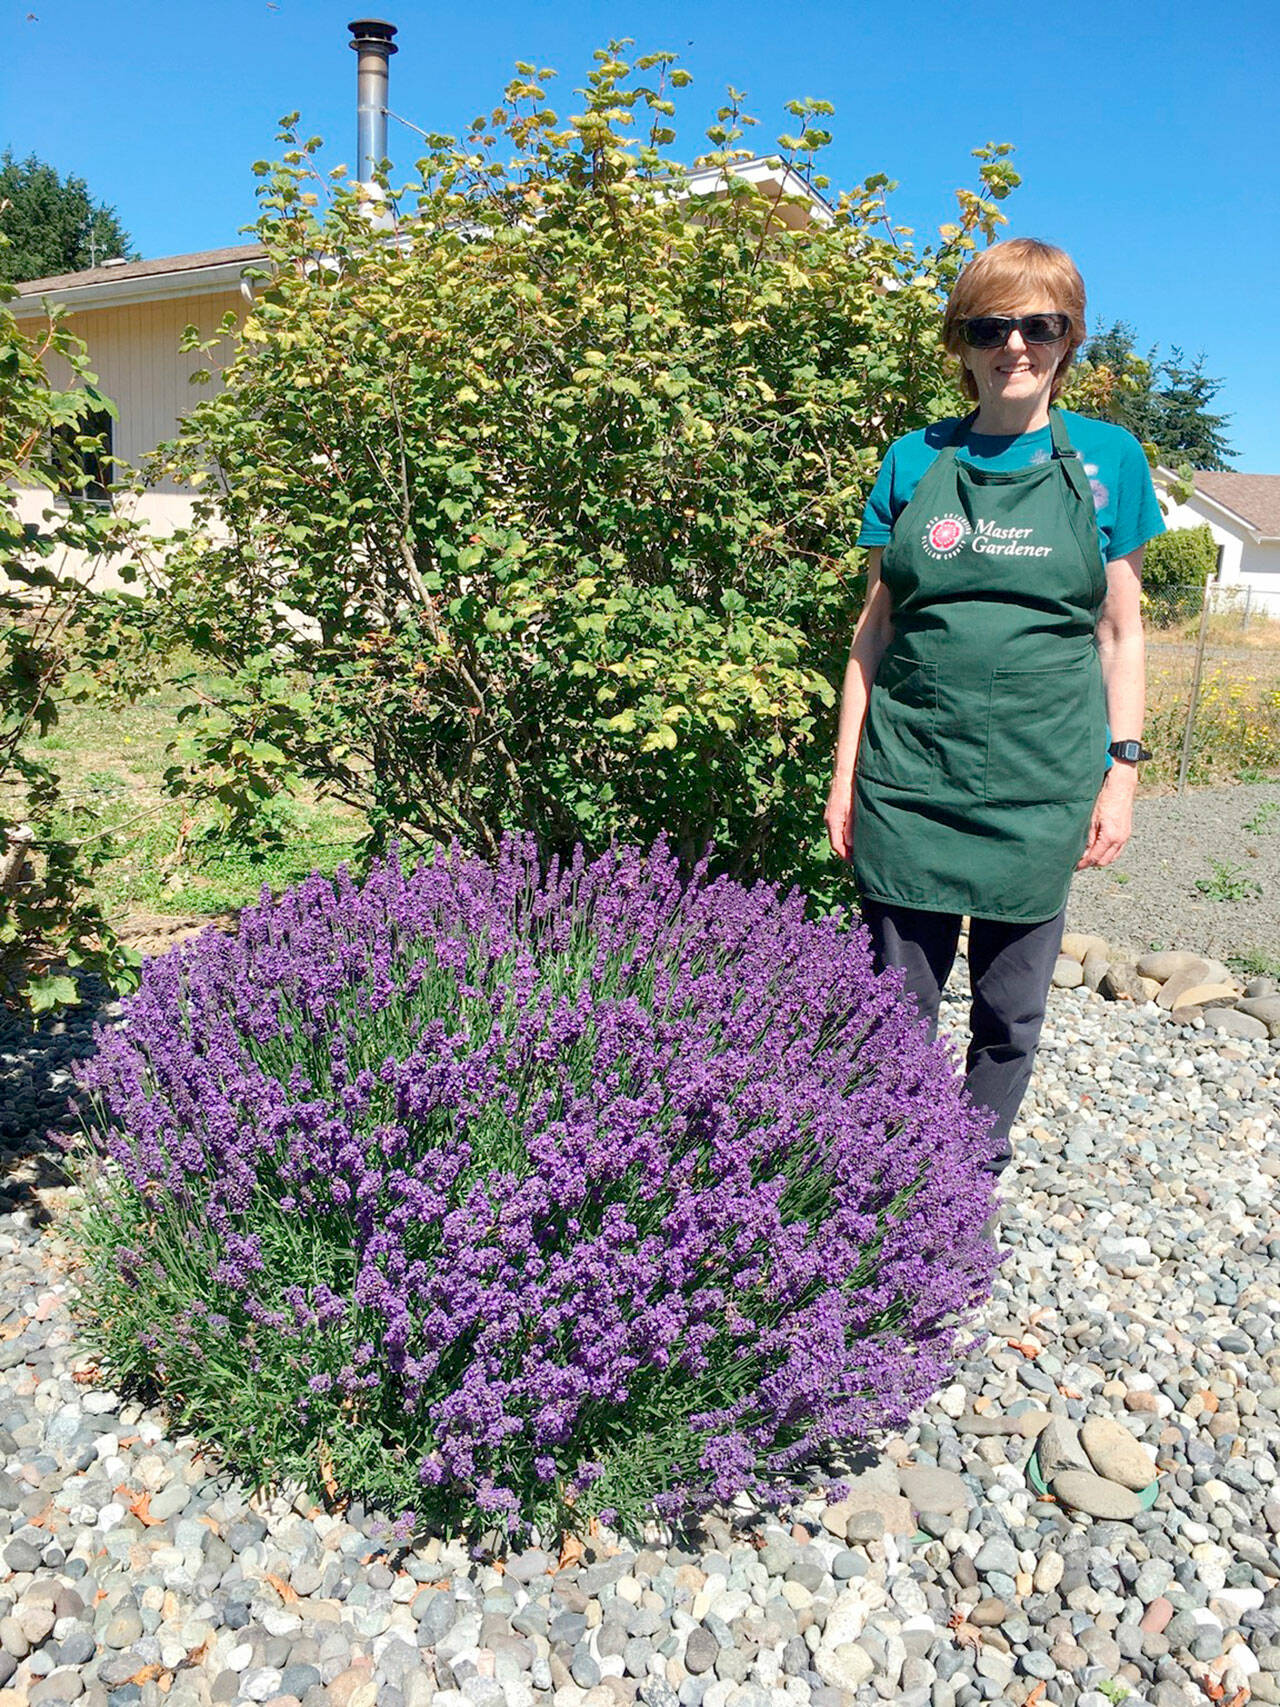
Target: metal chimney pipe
371 40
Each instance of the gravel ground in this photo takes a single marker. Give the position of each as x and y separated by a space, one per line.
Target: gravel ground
1132 1341
1149 897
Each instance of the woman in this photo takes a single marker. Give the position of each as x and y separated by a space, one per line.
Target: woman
1000 638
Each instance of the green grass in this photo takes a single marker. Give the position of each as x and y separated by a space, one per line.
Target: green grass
160 856
1255 964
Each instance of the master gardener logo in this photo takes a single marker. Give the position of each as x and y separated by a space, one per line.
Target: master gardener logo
945 535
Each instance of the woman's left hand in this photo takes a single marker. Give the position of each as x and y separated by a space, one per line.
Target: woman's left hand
1112 821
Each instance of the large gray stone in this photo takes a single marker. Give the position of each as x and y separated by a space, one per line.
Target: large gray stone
1115 1454
1059 1448
930 1489
1264 1008
1068 974
1121 983
1095 1496
1170 963
1096 966
1237 1024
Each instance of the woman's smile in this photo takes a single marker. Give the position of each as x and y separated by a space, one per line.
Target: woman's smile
1017 374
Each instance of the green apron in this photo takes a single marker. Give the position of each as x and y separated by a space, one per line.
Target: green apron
984 743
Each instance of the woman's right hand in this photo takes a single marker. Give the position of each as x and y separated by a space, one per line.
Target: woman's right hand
839 817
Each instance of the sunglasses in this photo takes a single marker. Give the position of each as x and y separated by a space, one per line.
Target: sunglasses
991 331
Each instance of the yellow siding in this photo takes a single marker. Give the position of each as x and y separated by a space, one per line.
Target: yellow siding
134 351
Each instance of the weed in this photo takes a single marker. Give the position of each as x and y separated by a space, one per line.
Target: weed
1253 963
1113 1689
1263 820
1228 883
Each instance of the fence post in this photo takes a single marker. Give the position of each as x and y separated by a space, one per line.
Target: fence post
1195 685
1244 620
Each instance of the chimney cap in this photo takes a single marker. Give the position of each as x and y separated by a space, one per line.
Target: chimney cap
372 32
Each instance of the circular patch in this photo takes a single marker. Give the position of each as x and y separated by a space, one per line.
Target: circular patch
945 535
1148 1495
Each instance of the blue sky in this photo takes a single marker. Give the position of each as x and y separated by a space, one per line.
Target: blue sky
1146 134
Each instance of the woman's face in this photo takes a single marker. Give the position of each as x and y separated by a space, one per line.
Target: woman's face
1019 373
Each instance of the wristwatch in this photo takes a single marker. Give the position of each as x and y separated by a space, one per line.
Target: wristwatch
1130 751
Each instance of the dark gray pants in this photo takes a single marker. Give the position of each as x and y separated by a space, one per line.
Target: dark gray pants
1010 970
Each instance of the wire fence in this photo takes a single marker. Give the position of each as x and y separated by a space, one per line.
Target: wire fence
1213 684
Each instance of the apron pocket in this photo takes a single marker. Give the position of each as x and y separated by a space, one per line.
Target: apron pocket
1046 735
898 736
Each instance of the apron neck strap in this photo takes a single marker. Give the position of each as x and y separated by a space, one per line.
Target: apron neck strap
959 430
1062 446
1065 453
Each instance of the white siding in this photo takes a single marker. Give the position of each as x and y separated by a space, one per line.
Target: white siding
1248 564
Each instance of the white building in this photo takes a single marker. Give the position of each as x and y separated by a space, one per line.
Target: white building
1243 515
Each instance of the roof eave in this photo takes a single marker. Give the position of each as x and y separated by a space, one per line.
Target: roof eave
151 287
760 169
1234 516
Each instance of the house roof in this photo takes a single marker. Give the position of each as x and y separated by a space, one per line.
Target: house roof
138 281
1255 498
242 252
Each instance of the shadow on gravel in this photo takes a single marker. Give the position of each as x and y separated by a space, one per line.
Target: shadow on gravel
37 1091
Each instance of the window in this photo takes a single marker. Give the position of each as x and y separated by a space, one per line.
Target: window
81 455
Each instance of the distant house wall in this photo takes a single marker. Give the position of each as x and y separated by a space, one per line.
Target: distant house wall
1249 562
134 351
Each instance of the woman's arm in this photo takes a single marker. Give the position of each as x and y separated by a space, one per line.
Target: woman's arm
1121 652
872 634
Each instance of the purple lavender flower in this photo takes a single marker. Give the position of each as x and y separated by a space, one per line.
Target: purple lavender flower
538 1170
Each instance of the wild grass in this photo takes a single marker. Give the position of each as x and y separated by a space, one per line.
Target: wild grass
163 856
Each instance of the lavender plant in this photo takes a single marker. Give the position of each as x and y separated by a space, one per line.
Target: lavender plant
499 1196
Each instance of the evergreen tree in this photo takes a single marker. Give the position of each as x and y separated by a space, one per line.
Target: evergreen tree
1130 400
52 223
1189 431
1163 403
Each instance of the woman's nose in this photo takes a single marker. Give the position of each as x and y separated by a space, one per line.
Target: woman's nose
1016 342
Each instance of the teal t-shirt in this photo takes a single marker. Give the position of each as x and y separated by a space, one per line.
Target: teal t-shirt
1116 464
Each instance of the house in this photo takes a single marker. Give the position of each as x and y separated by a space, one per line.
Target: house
131 315
1243 515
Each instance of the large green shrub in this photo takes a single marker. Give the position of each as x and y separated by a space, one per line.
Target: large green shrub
539 488
1183 557
50 924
